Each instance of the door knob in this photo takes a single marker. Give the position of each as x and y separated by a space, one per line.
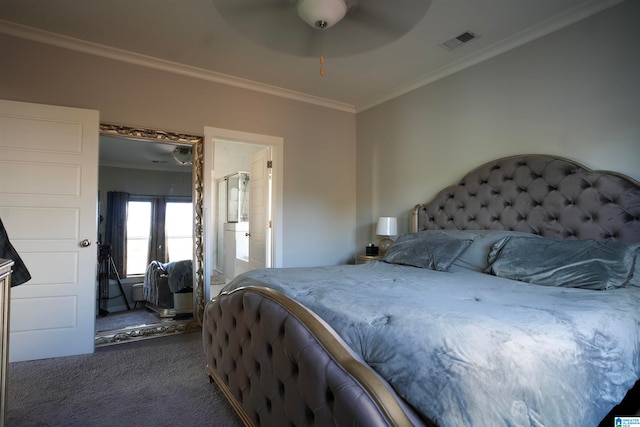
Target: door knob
85 243
247 234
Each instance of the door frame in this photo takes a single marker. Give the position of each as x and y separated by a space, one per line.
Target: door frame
211 134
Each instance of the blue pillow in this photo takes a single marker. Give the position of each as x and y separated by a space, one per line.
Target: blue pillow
587 264
476 256
433 249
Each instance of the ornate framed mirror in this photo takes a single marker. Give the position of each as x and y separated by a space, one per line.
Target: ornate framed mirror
168 326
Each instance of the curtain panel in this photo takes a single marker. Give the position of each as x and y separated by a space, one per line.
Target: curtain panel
158 242
116 229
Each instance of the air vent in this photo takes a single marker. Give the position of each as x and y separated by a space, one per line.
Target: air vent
458 40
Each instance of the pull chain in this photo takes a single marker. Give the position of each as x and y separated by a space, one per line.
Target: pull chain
322 54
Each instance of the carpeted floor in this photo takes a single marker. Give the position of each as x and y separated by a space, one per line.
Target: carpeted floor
124 319
154 382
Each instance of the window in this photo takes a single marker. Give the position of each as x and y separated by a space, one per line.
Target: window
178 233
179 229
138 236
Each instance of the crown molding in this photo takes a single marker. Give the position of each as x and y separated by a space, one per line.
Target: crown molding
535 32
71 43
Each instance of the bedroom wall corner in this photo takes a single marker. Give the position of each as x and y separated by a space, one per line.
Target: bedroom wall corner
573 93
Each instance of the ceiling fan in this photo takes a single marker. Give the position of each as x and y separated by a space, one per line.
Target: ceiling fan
335 28
182 155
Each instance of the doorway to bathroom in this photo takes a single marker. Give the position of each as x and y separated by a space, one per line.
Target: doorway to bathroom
243 225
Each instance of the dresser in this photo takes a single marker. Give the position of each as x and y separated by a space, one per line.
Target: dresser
5 286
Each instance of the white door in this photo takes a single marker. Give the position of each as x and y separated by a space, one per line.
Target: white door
260 209
48 197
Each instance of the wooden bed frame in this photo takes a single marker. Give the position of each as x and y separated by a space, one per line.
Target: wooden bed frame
276 361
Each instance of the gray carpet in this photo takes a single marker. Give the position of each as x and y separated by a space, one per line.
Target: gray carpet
155 382
124 319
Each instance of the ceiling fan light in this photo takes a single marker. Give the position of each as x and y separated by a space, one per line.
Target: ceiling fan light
322 14
182 155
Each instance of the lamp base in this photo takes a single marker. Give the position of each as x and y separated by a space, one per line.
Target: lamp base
384 244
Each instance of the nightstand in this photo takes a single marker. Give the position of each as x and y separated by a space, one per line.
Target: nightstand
363 259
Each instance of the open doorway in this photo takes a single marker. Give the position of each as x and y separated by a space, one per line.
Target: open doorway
243 224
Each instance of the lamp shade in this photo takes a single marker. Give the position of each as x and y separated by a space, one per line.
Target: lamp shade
387 226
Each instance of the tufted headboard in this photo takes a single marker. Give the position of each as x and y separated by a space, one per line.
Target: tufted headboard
539 194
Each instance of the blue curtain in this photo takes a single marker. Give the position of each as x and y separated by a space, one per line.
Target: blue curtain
158 242
116 229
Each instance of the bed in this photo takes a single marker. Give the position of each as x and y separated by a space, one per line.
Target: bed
168 288
514 301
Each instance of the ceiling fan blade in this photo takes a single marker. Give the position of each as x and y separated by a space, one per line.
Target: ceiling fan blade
249 6
310 44
369 24
272 23
395 20
297 39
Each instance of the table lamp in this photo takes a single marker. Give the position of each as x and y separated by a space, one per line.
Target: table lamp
387 226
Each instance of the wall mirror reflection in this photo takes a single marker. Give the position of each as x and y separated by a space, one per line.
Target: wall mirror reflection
148 234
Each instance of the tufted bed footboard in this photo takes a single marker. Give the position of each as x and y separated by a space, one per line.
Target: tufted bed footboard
279 364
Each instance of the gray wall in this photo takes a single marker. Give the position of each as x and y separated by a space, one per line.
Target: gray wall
319 143
574 93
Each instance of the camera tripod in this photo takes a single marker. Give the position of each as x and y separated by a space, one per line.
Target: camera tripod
107 271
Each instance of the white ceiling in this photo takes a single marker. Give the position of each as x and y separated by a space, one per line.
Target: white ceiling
191 37
137 154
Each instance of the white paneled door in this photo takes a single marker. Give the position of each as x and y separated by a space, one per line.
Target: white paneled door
260 224
48 204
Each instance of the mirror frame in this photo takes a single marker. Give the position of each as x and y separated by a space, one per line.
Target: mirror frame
199 294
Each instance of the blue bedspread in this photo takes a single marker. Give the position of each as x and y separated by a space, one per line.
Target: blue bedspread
476 350
180 275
